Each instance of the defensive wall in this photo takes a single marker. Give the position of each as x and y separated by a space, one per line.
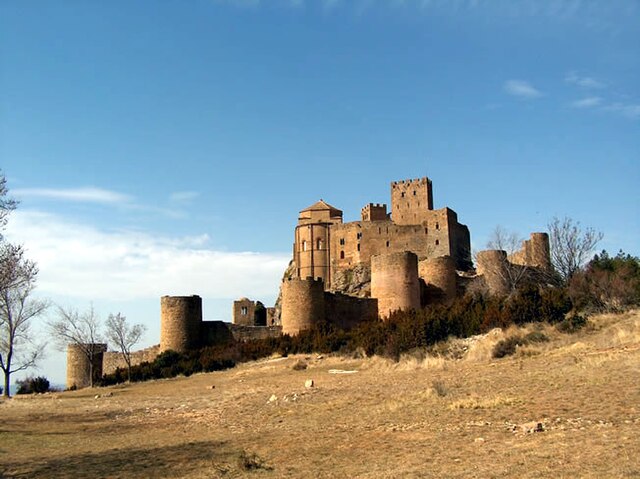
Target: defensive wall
113 360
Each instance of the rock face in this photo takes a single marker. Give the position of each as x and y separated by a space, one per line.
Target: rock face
355 281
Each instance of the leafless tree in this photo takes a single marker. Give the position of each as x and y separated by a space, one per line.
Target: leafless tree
7 205
80 329
18 350
124 336
571 245
511 271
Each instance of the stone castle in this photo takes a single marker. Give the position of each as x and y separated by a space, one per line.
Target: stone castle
346 273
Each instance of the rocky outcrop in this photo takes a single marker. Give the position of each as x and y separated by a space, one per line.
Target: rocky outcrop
354 281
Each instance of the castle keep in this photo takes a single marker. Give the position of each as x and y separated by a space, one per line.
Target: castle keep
346 273
325 247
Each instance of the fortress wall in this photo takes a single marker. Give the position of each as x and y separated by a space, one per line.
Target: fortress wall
347 312
180 322
271 316
245 333
78 369
439 274
492 266
394 282
113 360
303 305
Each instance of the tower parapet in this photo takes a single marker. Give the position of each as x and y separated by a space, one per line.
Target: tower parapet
374 212
180 322
394 282
303 304
79 366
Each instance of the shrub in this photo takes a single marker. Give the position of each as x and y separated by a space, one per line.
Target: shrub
31 385
536 337
299 366
507 346
573 323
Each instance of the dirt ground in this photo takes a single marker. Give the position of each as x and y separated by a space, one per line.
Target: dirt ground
563 409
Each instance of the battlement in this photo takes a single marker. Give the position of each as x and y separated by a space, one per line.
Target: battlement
374 212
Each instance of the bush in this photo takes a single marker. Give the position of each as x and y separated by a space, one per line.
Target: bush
536 337
573 323
507 346
33 385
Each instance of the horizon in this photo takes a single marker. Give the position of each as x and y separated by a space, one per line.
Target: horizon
167 149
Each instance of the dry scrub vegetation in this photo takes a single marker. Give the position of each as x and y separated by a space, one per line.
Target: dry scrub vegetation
458 414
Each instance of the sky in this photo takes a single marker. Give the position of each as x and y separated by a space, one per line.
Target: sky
166 147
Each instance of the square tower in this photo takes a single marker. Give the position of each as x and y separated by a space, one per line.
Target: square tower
410 199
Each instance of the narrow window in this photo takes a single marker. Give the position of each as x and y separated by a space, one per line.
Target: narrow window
319 243
437 242
304 245
341 254
358 246
359 235
437 226
379 230
341 241
244 310
414 192
403 194
387 244
426 231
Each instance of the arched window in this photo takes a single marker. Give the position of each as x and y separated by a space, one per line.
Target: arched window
319 243
341 254
304 245
437 242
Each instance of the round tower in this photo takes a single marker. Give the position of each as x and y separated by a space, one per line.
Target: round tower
78 370
180 322
492 265
538 252
394 282
302 304
440 272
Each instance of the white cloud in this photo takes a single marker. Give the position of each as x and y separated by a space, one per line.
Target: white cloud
522 89
86 263
85 194
588 102
584 82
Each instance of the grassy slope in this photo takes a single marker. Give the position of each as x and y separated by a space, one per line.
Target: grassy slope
415 418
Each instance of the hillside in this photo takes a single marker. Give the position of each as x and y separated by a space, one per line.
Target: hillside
364 417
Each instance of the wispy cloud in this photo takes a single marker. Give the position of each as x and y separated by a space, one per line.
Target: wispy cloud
588 102
183 196
93 264
628 110
81 195
583 81
522 89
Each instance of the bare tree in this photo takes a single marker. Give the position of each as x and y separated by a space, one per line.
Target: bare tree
512 271
81 330
124 336
18 351
571 245
7 205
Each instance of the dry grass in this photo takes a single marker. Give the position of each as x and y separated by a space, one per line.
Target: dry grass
423 416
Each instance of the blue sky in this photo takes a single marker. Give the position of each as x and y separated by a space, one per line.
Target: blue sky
167 147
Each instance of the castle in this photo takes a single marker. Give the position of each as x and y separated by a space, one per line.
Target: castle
346 273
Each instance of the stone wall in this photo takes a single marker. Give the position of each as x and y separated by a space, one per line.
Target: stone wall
439 275
245 333
346 312
492 266
114 359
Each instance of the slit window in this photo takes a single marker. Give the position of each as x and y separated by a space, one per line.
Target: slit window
341 254
437 242
387 244
341 241
304 246
358 246
319 243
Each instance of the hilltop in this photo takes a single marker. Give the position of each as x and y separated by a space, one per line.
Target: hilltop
569 407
